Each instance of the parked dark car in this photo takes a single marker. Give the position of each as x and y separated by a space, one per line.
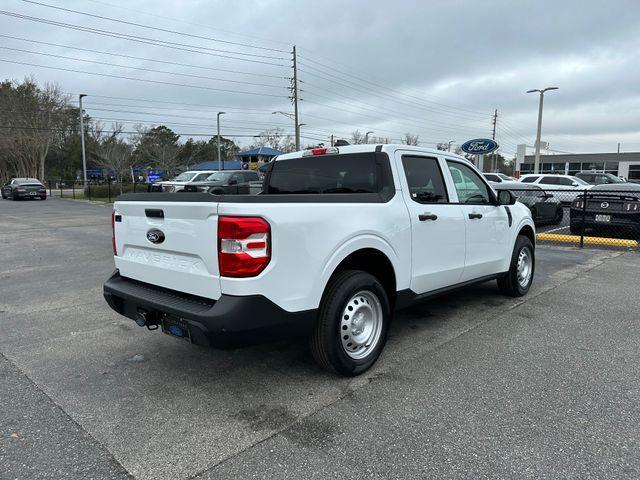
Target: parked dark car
21 188
544 206
228 182
595 178
609 207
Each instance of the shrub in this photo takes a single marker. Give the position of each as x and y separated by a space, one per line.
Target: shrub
102 191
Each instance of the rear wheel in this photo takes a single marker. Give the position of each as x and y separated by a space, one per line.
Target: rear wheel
352 324
14 196
517 281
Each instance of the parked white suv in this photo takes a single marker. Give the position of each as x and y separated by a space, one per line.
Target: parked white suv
339 239
571 186
185 178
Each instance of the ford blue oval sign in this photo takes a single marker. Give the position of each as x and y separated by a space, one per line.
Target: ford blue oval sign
479 146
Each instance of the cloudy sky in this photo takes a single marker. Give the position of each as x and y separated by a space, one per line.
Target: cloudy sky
437 69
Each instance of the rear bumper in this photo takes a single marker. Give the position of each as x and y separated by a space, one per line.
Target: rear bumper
230 321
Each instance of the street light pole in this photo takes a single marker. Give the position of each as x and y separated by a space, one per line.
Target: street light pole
84 155
366 137
219 157
536 164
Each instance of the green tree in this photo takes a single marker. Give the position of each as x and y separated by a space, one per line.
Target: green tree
157 147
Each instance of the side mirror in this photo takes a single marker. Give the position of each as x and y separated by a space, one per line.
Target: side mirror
506 197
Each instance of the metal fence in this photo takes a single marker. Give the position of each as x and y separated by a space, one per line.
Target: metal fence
106 192
593 217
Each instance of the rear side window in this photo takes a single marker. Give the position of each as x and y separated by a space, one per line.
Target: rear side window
529 179
424 177
251 176
346 173
564 181
549 180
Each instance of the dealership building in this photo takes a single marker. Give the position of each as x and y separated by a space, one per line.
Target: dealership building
621 164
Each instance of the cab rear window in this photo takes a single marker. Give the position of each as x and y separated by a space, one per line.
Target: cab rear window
342 173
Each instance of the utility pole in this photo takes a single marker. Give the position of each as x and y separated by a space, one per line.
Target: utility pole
618 147
84 154
536 164
493 137
218 142
294 90
331 140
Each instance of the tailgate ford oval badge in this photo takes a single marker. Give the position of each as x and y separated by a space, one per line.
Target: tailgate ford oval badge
604 205
155 236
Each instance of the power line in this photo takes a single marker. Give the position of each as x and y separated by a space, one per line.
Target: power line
142 80
97 62
397 92
158 29
386 96
146 40
166 62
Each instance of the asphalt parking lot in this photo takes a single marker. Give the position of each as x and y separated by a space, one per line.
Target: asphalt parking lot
471 385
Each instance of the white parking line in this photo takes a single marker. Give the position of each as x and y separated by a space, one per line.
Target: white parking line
555 229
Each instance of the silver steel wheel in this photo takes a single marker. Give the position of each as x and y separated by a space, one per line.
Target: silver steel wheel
361 324
525 266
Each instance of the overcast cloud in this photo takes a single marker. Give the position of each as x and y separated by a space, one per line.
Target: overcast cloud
433 68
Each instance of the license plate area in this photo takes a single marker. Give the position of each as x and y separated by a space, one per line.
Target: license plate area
176 327
603 218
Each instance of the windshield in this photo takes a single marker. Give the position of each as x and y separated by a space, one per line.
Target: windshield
218 177
185 177
614 179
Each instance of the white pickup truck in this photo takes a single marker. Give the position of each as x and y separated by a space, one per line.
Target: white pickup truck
338 239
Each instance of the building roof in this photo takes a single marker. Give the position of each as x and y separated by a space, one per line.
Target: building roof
267 151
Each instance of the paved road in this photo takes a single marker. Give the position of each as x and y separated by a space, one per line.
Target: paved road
471 385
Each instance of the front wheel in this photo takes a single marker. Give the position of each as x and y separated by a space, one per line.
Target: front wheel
352 324
517 281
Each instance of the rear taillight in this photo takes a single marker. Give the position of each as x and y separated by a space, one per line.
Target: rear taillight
578 204
631 207
244 246
113 233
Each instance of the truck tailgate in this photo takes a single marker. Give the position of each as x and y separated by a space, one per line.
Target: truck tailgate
182 255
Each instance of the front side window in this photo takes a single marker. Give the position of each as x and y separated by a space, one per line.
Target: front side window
424 178
491 177
218 177
469 185
567 182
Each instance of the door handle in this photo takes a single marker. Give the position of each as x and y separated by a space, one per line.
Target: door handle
474 216
427 216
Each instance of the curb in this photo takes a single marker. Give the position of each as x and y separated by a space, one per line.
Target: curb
599 241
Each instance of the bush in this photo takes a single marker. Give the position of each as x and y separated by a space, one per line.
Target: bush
102 191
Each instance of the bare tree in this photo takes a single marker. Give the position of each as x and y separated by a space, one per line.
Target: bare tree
276 138
33 118
113 153
410 139
357 137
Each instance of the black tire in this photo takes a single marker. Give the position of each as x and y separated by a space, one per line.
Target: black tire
575 229
217 191
327 338
509 283
559 216
14 196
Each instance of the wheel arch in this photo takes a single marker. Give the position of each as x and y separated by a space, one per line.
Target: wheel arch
374 257
528 231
